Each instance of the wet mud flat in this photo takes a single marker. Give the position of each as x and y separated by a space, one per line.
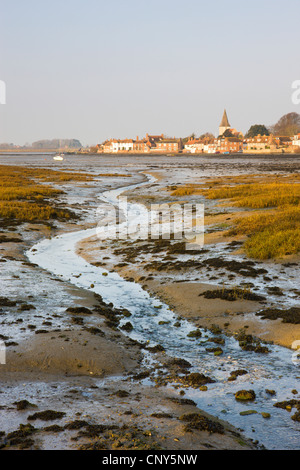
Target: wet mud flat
84 389
62 345
226 289
56 390
255 311
181 423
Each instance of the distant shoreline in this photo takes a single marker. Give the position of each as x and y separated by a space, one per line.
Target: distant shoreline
130 154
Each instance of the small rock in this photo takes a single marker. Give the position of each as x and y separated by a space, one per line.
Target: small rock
245 395
248 412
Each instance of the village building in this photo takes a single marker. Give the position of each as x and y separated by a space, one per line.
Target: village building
296 141
211 147
229 145
166 145
194 146
106 147
141 145
286 143
236 133
125 145
262 143
153 139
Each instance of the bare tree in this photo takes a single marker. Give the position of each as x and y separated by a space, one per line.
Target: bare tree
288 125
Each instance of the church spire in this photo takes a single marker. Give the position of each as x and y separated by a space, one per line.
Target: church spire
225 122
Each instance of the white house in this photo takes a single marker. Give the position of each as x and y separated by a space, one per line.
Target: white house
211 148
122 145
194 146
296 141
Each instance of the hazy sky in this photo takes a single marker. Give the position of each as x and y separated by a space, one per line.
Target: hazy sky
95 69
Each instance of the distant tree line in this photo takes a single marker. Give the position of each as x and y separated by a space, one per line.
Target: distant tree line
46 144
57 143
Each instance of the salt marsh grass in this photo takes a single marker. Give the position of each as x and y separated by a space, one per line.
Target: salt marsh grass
274 229
25 194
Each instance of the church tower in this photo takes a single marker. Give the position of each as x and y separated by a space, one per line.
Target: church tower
224 124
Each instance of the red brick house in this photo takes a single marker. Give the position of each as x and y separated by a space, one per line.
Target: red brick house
230 144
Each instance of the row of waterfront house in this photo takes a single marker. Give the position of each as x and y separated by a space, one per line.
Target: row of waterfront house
257 144
151 143
228 141
221 145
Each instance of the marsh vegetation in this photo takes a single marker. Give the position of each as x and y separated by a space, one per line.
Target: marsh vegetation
273 230
27 195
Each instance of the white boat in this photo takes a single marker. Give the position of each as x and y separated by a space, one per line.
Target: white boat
58 157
